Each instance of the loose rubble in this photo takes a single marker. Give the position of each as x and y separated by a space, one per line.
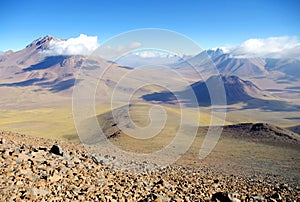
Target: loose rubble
35 169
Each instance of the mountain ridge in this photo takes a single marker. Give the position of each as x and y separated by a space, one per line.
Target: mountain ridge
236 89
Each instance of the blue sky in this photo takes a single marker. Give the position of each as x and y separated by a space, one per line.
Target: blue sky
210 23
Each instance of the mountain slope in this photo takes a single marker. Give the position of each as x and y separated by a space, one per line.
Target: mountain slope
295 129
262 132
240 66
236 89
244 67
32 67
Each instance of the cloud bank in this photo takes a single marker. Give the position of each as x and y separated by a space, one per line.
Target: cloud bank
82 45
110 53
155 54
272 47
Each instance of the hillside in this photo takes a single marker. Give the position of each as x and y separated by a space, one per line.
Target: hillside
33 66
295 129
236 90
39 169
262 132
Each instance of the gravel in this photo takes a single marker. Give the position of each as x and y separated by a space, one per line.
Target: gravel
31 172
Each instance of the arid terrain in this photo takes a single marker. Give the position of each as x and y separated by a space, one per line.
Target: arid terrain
50 153
34 169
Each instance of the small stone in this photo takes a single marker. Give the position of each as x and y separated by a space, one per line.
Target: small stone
284 186
276 196
258 198
55 149
43 177
243 198
35 191
220 196
234 197
103 161
43 148
158 200
95 160
55 178
216 181
276 187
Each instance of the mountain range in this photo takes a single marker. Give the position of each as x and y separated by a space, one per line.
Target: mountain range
32 66
243 78
36 86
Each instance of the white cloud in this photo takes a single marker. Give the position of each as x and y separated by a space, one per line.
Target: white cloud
225 49
148 54
272 47
155 54
109 52
82 45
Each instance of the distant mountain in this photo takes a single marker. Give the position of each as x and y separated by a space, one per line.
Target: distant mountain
289 67
136 60
236 89
32 67
215 53
242 67
283 68
295 129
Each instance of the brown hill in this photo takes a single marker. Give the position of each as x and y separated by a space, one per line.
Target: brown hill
295 129
262 132
31 66
236 90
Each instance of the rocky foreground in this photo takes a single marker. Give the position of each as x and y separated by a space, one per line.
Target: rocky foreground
44 170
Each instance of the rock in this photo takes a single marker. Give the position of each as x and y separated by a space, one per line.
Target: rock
55 178
276 196
220 196
95 160
216 181
104 161
258 198
43 148
55 149
276 187
284 186
43 177
35 191
158 200
243 198
234 197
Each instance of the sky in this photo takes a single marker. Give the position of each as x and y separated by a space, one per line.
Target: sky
210 23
